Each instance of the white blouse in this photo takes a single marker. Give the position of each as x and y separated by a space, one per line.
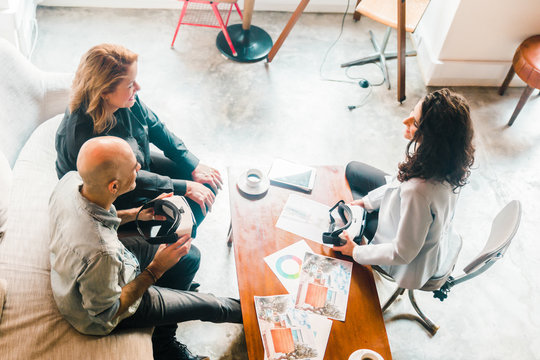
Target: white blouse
414 230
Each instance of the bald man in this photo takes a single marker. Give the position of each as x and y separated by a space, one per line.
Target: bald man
100 282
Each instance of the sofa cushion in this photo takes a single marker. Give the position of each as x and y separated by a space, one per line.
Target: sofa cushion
5 186
34 177
31 326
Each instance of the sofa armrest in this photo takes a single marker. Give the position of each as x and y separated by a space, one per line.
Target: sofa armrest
56 90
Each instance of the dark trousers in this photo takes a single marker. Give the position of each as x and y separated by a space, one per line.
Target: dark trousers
168 302
362 179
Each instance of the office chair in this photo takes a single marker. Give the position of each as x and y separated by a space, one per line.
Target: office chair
385 12
207 22
503 229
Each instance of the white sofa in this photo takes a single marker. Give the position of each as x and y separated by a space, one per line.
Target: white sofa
31 106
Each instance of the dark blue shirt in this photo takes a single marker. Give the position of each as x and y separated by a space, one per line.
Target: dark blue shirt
139 126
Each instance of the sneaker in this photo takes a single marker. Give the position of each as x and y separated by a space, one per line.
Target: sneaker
176 351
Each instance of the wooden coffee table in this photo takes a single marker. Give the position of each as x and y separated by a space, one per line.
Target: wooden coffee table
255 236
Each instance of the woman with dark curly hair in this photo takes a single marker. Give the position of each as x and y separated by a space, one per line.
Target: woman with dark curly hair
409 224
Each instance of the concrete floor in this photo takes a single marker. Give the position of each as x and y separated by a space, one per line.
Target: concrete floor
247 114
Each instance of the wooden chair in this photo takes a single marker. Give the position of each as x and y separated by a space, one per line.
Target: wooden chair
526 64
386 12
214 5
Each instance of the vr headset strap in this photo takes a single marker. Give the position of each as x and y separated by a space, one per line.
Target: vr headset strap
170 236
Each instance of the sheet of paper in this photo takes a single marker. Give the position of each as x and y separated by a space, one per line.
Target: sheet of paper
304 217
324 286
286 264
289 333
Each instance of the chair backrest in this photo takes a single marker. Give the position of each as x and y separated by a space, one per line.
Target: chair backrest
385 12
503 229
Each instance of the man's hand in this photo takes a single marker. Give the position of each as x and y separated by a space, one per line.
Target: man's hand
349 246
168 255
201 195
148 214
129 215
204 174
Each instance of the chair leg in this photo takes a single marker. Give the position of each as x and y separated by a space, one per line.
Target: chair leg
223 28
507 80
238 10
399 291
424 320
229 235
182 14
522 100
383 58
378 56
357 15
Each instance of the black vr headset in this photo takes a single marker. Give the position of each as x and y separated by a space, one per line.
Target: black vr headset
178 221
350 218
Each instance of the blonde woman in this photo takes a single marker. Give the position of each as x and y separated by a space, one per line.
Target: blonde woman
105 102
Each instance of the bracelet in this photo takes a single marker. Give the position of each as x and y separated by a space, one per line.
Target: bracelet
154 277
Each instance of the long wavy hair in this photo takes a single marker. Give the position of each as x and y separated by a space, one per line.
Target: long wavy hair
100 71
441 148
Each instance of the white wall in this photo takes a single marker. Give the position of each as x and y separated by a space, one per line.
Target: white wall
472 42
459 42
260 5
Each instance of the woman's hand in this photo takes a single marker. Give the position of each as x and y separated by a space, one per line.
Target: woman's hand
204 174
201 195
359 202
348 247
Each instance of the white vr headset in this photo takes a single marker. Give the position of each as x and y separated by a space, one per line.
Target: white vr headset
350 218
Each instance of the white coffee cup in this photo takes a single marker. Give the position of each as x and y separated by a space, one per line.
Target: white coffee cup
253 177
365 354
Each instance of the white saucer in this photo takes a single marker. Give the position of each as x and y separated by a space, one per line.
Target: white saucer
365 354
247 186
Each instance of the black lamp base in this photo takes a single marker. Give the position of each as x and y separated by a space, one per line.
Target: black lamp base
251 45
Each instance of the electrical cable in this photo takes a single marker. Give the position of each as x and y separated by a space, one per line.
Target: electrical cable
350 67
332 46
361 81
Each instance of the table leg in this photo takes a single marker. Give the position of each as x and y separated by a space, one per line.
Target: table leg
248 12
401 50
294 18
